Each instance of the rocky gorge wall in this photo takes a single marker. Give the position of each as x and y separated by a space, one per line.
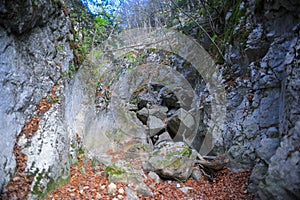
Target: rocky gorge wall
262 76
36 128
262 130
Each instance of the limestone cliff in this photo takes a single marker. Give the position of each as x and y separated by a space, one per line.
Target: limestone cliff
263 113
34 53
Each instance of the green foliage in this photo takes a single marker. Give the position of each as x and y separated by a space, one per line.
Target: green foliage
42 191
59 47
214 37
81 152
56 99
35 3
88 30
131 57
186 152
82 170
234 20
100 24
70 71
113 170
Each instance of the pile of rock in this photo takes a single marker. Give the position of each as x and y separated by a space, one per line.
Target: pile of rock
159 109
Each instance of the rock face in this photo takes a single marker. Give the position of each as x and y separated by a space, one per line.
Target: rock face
263 112
22 16
34 52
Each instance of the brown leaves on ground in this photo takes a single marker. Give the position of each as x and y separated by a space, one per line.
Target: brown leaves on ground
225 185
87 182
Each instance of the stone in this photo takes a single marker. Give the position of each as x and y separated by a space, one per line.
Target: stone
181 124
284 168
121 191
269 109
251 126
267 148
196 174
171 112
258 174
144 190
143 115
111 189
138 151
155 110
256 47
98 196
155 125
130 194
132 107
172 160
158 111
154 176
168 98
264 135
145 99
122 171
272 132
185 190
102 187
164 137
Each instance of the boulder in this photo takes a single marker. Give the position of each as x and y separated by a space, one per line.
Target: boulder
143 115
172 160
122 171
158 111
130 194
168 99
181 123
155 110
155 125
154 176
146 98
164 137
138 151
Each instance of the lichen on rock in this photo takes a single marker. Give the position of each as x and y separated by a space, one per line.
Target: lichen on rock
173 160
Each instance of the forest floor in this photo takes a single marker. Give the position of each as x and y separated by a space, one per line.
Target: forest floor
89 182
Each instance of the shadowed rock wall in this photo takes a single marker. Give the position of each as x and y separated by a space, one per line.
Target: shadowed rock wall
263 100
